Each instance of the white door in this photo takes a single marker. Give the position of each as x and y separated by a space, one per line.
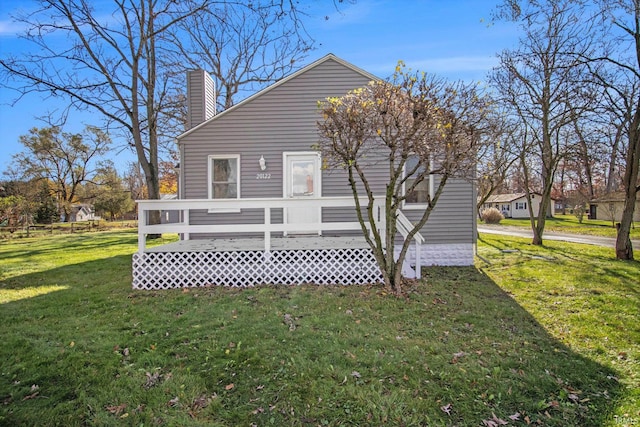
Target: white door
302 181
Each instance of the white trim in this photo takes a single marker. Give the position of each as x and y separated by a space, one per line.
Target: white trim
418 206
210 181
317 182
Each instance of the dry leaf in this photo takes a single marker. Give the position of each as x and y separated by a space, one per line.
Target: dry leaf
229 386
116 409
446 408
31 396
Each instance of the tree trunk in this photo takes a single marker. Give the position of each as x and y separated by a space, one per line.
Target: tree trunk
624 250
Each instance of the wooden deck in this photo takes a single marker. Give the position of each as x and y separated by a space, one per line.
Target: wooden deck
301 242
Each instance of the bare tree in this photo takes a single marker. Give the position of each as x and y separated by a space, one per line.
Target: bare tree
243 46
66 160
616 68
537 80
496 158
116 61
414 126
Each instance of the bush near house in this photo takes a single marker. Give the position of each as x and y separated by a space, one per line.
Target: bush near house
491 216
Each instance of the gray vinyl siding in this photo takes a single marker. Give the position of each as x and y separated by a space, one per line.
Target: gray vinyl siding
282 119
201 96
453 219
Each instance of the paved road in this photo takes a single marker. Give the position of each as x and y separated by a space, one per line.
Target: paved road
574 238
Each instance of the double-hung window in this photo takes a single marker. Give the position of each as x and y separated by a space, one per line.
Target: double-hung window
418 198
521 205
224 178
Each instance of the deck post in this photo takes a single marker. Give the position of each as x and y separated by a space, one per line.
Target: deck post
267 229
418 259
185 215
142 236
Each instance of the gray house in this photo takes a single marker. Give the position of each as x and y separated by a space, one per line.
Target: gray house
257 205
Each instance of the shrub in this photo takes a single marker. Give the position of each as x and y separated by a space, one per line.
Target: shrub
491 216
579 212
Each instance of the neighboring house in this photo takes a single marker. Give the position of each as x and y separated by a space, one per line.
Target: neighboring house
83 212
609 207
515 205
258 204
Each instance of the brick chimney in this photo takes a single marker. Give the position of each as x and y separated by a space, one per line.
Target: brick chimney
201 97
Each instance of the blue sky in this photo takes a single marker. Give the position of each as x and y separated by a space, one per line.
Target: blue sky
452 38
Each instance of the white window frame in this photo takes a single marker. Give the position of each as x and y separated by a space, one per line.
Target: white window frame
411 206
210 160
520 206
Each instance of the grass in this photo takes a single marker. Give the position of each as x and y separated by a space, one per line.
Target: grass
548 336
570 224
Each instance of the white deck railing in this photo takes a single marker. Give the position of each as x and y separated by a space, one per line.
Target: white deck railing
266 227
267 205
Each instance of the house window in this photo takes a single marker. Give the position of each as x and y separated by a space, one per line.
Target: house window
224 178
521 205
418 198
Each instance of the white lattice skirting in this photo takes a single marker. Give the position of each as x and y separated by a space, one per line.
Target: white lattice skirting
166 270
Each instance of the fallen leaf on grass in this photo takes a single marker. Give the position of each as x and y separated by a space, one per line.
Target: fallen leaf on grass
288 320
494 421
457 356
200 402
152 380
356 374
515 417
446 408
31 396
229 386
116 409
173 402
574 397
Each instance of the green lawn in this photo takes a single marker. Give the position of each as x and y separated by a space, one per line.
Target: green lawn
570 224
541 336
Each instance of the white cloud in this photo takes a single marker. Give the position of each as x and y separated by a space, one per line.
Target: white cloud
11 28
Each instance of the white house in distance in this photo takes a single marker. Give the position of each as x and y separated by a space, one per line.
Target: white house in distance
610 206
515 205
83 212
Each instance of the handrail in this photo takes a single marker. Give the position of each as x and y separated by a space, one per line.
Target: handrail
185 206
404 227
266 227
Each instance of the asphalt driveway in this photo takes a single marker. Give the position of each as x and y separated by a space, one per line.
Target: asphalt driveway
573 238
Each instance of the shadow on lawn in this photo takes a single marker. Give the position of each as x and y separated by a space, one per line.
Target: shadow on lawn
569 388
472 346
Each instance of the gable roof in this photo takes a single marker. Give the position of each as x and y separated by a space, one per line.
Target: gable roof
504 198
329 57
510 197
614 196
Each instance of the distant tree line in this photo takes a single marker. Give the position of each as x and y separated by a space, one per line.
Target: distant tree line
57 171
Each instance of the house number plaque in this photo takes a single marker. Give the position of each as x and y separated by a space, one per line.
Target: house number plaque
263 175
